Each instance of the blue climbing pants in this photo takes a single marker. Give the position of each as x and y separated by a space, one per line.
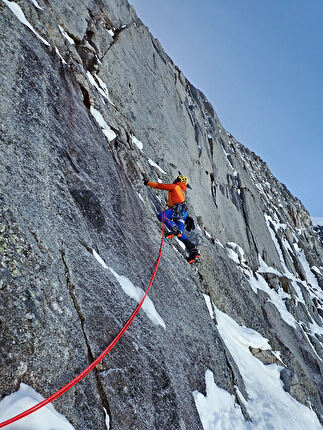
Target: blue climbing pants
170 222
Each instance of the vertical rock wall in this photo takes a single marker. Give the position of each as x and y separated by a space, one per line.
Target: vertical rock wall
72 113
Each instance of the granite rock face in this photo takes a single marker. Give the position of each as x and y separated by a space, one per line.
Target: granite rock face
72 112
319 231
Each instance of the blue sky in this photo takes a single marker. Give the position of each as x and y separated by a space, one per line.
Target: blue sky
260 63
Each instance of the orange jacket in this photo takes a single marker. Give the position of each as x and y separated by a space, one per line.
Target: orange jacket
176 191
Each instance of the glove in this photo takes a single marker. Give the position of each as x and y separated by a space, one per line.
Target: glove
145 181
189 222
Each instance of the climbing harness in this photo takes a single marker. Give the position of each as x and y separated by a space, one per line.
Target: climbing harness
178 211
100 358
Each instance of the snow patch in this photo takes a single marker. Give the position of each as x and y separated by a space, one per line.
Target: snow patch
259 186
141 198
134 292
58 53
16 9
233 255
181 244
207 234
316 270
137 142
102 88
236 253
276 226
272 232
264 268
277 354
137 294
256 281
209 305
67 37
35 3
99 259
219 243
107 131
152 163
176 250
107 419
311 279
227 154
316 329
46 418
218 409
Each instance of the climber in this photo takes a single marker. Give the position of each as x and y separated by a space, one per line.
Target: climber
176 215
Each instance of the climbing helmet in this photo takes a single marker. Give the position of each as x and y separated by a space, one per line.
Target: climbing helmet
182 178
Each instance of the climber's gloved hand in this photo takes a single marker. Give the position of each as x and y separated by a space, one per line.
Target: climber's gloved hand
145 181
189 223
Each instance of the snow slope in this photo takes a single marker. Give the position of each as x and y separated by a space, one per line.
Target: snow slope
268 405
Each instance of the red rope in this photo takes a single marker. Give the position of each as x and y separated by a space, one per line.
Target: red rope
97 361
